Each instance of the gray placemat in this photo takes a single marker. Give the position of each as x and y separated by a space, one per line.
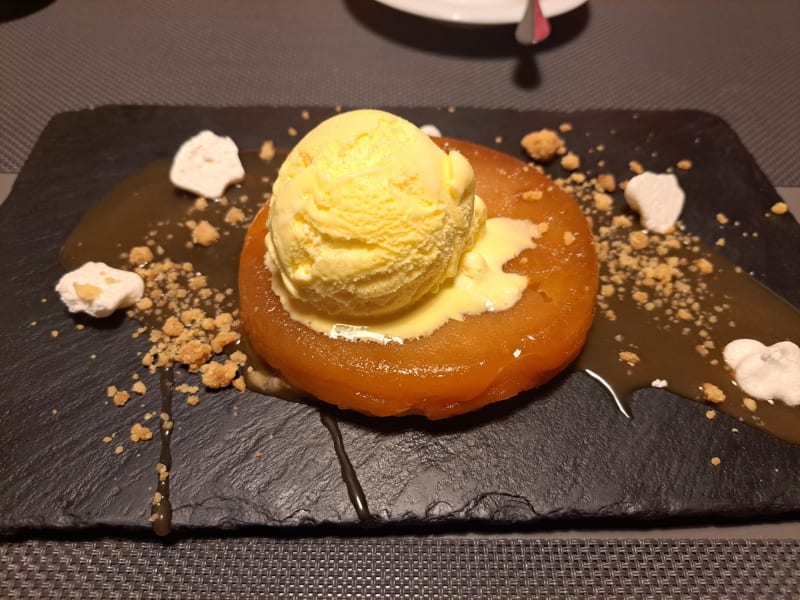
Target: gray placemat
400 568
735 59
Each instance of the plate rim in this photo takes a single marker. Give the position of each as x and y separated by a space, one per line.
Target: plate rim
484 12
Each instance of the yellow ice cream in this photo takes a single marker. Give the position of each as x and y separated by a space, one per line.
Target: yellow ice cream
368 216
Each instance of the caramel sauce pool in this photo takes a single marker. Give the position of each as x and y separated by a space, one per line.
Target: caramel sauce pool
146 205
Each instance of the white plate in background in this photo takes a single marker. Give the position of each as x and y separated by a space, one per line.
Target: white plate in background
479 12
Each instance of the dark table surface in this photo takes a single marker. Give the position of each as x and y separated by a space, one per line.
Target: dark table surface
736 59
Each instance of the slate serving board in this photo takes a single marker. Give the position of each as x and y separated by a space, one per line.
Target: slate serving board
561 452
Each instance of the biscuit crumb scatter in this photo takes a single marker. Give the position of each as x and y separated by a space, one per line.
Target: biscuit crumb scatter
267 151
234 215
629 357
292 131
636 167
720 242
750 404
107 439
140 255
140 388
638 240
713 394
565 127
602 201
543 145
570 161
121 398
172 327
139 433
161 469
218 375
607 182
239 384
722 218
304 115
532 195
54 333
193 400
118 450
779 208
684 164
710 414
185 388
704 266
716 461
111 391
200 203
569 237
205 234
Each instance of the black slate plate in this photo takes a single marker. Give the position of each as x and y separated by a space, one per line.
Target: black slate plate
562 452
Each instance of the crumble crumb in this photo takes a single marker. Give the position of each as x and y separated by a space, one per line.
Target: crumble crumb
779 208
713 394
139 433
704 266
121 398
750 404
185 388
218 375
172 327
629 357
305 115
267 151
234 216
716 461
710 414
684 164
140 255
140 388
533 195
107 439
543 145
498 139
602 201
722 218
607 182
193 400
292 131
205 234
569 237
638 240
570 161
54 333
636 167
565 127
118 450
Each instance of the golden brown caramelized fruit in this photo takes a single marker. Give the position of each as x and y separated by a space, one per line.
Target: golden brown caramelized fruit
463 365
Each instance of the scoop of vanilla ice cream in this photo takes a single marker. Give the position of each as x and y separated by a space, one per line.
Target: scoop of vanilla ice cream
368 215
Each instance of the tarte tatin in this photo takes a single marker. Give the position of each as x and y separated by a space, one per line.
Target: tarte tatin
463 365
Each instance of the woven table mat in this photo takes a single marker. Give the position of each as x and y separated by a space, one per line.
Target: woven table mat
400 568
736 59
